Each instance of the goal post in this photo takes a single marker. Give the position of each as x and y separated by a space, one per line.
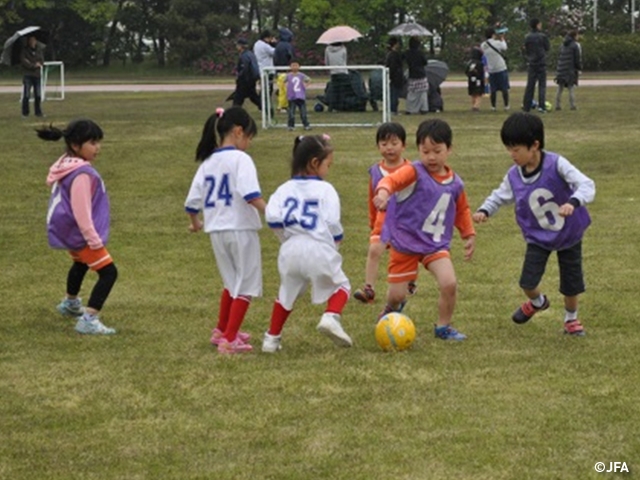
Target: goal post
358 98
52 81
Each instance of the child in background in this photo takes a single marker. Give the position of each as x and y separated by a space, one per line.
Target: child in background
78 220
296 84
550 195
305 213
391 141
429 201
475 77
226 189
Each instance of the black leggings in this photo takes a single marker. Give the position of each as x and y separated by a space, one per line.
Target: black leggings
106 279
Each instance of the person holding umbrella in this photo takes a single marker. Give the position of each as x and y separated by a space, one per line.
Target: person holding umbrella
31 60
418 84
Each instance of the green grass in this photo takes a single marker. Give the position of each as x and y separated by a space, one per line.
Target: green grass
156 401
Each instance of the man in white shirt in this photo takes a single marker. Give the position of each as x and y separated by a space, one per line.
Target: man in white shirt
494 47
264 51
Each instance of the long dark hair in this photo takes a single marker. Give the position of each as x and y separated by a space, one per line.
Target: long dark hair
222 122
78 131
306 148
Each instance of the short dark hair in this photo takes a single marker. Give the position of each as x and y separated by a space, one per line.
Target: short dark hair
533 23
393 41
265 34
489 32
437 130
391 129
522 128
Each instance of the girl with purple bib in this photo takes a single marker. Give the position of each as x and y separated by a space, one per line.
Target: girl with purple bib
550 197
78 221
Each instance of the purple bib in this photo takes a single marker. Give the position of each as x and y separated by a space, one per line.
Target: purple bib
62 229
422 221
537 203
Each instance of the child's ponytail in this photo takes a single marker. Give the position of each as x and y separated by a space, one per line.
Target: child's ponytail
222 122
78 131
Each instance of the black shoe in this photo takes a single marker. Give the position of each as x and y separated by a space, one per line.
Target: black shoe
527 310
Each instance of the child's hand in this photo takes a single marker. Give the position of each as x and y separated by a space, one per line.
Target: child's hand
469 247
381 200
479 217
566 210
196 225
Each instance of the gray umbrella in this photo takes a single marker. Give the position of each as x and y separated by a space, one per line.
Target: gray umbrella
410 30
13 46
436 71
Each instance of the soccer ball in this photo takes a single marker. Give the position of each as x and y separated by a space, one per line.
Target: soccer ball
548 106
395 331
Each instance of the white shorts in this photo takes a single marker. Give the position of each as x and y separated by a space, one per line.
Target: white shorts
239 261
302 261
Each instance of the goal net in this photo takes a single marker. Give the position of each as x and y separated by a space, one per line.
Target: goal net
357 98
52 81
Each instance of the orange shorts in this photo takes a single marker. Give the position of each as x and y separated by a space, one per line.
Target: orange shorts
94 259
403 267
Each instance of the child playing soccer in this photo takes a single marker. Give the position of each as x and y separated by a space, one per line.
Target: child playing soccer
296 84
305 213
226 189
391 141
550 195
424 202
78 220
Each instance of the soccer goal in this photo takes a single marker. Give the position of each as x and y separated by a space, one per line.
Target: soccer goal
52 81
357 98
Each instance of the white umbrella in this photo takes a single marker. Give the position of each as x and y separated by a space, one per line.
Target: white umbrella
12 47
339 34
410 30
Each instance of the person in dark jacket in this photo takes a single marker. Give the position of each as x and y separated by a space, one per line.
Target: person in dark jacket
535 48
283 57
247 74
396 75
31 60
569 67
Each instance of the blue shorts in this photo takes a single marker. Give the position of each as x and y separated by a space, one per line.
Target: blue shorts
499 81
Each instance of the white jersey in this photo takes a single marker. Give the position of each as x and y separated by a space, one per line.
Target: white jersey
306 206
222 188
307 210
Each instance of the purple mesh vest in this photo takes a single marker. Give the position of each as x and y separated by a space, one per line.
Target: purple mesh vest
62 228
536 208
376 175
422 222
296 89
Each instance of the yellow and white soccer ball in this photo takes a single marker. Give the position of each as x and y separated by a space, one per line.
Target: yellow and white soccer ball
395 332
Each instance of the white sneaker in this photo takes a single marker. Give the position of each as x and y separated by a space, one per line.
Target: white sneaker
271 343
330 326
93 327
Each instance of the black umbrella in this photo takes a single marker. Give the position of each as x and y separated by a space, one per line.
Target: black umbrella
436 71
13 46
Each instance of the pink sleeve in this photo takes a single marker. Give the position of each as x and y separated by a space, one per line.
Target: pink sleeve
81 193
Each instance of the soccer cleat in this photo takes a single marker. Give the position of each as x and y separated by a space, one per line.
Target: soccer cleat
330 326
271 343
71 308
575 328
226 347
412 288
527 310
365 294
217 335
93 327
447 332
388 309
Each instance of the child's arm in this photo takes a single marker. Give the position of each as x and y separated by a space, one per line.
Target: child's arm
373 211
81 192
584 189
196 223
259 204
465 226
503 195
394 182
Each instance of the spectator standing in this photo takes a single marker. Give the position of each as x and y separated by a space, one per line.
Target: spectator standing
475 77
418 83
335 55
396 75
494 47
247 74
282 57
264 51
31 59
535 48
569 67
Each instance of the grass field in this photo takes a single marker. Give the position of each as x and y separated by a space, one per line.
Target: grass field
157 402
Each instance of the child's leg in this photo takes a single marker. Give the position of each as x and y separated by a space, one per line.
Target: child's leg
239 307
535 262
373 262
505 98
75 278
107 277
442 270
291 120
303 114
279 316
224 310
571 286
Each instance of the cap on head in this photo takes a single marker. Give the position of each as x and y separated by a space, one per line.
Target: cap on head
242 41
